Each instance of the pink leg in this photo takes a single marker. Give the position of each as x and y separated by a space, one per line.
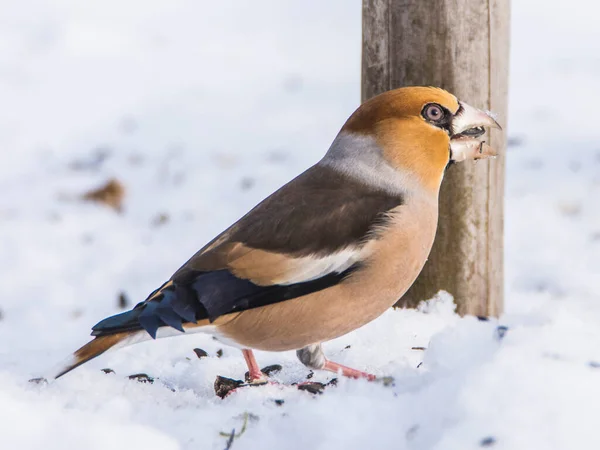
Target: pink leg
256 375
312 356
347 371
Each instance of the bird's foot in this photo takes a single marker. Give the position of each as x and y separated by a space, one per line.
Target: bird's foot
312 356
257 381
357 374
347 371
258 377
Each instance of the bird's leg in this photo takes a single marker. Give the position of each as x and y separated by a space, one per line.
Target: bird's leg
256 375
314 358
347 371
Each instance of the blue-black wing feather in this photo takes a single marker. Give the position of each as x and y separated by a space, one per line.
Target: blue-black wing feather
207 295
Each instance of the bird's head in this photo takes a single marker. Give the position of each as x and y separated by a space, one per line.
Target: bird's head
417 131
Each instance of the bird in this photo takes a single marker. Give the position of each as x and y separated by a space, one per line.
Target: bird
328 252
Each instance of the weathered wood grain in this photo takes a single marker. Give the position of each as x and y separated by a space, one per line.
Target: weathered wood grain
461 46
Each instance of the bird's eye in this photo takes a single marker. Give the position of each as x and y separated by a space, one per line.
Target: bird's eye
433 112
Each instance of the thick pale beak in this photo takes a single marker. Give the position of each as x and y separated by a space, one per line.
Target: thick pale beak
467 127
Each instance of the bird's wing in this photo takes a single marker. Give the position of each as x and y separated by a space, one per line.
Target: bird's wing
307 236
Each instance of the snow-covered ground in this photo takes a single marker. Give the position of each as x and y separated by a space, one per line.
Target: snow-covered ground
203 108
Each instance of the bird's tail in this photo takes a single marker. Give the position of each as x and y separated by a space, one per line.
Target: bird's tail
126 329
94 348
167 311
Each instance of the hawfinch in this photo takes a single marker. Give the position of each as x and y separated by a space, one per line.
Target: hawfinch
328 252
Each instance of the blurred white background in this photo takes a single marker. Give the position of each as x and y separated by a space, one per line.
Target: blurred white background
200 109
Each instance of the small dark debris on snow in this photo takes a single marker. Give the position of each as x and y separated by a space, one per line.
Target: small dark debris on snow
419 348
594 364
224 386
278 401
168 386
142 378
111 194
219 353
501 331
483 318
272 369
314 387
123 300
420 364
247 183
40 380
160 219
231 436
246 417
412 432
386 381
92 162
107 371
200 353
230 440
347 347
310 375
487 441
515 141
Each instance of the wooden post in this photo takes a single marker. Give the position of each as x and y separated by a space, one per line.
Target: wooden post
461 46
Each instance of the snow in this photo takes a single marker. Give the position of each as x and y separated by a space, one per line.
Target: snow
203 108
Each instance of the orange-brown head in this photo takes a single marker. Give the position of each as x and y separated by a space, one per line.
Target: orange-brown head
415 130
